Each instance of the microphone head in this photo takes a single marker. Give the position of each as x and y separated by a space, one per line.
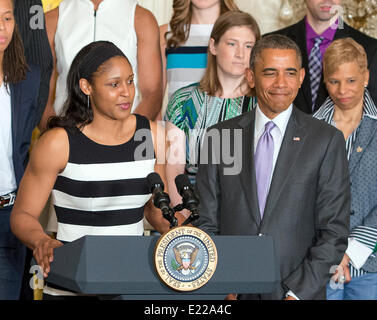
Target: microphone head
154 180
182 181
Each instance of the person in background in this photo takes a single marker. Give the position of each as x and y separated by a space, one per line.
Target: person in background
221 94
351 108
102 156
75 23
19 91
313 34
31 24
184 40
37 48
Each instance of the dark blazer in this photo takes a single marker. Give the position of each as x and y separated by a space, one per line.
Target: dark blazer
297 33
307 209
24 98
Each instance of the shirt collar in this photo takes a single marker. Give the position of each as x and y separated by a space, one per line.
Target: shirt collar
281 120
328 34
326 111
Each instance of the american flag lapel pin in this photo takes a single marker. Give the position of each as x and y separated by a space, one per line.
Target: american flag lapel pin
296 139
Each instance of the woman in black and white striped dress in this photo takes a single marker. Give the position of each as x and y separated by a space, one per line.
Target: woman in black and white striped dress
95 159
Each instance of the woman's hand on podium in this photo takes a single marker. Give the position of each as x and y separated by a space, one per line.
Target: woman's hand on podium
43 253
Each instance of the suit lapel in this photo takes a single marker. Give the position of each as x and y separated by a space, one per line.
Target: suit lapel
247 177
341 32
290 149
14 107
367 131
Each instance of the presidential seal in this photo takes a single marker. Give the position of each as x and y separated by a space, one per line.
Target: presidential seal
185 258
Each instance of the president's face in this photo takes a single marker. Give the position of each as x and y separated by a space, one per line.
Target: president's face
322 10
276 77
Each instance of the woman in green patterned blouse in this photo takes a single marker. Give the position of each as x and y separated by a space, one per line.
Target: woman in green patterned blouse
223 93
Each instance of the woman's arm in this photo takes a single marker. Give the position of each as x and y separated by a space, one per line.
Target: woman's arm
163 30
175 161
153 214
48 158
149 65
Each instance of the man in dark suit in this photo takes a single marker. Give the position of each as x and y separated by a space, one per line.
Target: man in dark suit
289 178
322 20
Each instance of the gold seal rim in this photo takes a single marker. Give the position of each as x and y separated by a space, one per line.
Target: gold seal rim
185 286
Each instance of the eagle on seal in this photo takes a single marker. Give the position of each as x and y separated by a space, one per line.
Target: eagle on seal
185 257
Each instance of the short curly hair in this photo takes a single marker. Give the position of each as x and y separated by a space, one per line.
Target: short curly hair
342 51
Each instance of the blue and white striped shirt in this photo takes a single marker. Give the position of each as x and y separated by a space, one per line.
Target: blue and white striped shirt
363 234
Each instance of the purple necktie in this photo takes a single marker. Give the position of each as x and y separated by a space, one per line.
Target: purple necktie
263 164
315 69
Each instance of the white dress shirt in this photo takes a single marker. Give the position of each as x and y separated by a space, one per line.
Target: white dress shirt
278 132
280 121
7 177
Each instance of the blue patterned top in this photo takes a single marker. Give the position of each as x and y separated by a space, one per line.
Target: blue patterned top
363 234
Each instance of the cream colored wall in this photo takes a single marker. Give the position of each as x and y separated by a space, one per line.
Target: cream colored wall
266 15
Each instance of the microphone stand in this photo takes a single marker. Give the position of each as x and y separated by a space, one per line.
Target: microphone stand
169 213
161 201
170 216
192 217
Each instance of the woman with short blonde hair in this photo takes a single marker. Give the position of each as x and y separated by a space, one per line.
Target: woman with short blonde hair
343 51
351 109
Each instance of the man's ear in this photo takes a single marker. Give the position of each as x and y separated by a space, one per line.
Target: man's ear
85 86
302 75
249 75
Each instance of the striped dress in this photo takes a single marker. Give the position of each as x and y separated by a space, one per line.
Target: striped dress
103 189
186 64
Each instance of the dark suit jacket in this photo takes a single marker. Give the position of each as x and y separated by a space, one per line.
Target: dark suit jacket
297 33
24 98
308 206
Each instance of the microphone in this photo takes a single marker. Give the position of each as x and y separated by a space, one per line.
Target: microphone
190 200
161 199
